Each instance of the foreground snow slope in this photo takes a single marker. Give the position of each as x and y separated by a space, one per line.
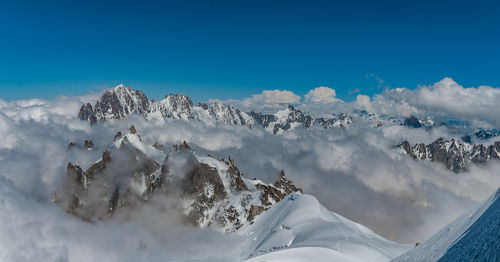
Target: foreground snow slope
474 236
299 228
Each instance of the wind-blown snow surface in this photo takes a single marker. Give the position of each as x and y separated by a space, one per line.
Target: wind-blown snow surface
33 231
475 236
299 228
356 173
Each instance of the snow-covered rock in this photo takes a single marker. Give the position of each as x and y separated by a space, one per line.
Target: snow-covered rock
211 192
299 228
116 103
120 102
173 107
456 155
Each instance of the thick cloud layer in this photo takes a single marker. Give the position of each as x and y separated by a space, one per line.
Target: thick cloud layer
357 173
445 98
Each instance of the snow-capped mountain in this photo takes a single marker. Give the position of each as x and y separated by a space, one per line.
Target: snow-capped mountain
292 117
481 135
173 107
456 155
115 104
277 220
299 228
472 237
212 192
412 121
120 102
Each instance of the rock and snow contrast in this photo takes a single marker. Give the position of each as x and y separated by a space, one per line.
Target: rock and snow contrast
212 191
299 228
475 236
126 178
456 155
121 101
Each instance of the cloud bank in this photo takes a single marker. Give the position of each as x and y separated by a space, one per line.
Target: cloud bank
357 173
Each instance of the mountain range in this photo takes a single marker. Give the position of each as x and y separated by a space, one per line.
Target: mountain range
456 155
121 101
210 192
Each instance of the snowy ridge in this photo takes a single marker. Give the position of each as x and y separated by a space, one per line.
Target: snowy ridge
120 102
173 107
299 228
471 237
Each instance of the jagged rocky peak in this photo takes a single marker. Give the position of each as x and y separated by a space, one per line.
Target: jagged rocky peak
119 102
413 121
293 117
132 129
211 192
456 155
481 135
262 119
174 106
290 118
228 114
343 121
116 103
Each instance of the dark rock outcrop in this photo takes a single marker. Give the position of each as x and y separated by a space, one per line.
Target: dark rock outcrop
213 192
412 122
456 155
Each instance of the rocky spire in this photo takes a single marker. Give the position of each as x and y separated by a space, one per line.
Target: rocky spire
132 130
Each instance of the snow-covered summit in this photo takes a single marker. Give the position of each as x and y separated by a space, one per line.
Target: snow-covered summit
119 102
210 192
299 228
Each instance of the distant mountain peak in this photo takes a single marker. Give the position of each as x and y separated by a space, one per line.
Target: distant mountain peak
121 101
212 192
456 155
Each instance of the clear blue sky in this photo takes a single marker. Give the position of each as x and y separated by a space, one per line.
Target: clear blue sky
233 49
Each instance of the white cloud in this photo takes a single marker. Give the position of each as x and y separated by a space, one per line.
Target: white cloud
321 94
445 98
363 102
267 100
358 175
272 97
448 97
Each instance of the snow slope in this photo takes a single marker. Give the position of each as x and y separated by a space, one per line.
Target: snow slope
299 228
475 236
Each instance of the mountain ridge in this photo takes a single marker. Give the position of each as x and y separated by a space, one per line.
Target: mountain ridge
121 101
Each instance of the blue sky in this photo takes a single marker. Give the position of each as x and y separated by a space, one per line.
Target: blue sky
232 49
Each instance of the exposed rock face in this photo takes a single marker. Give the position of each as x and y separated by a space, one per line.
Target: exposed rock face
227 114
262 119
211 192
115 104
87 144
120 102
343 121
174 107
456 155
481 135
413 122
87 113
293 117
